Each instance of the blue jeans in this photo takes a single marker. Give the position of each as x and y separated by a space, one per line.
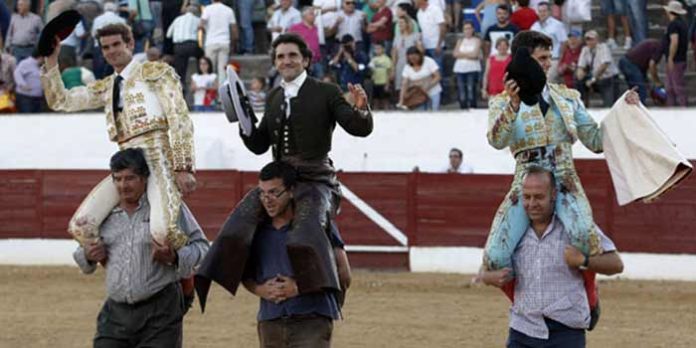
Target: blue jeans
203 108
614 7
433 103
467 85
21 52
28 105
246 9
634 77
439 59
149 26
639 22
559 336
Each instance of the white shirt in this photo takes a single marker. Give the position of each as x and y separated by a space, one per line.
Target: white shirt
103 20
554 29
465 65
602 54
184 28
125 73
218 17
428 68
463 169
284 19
290 89
429 21
204 80
352 24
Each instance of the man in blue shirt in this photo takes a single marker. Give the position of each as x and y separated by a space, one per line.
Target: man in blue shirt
287 318
349 63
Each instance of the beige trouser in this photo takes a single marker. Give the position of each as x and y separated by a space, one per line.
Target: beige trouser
162 193
219 55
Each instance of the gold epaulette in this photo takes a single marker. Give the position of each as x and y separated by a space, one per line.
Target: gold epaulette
564 91
154 70
100 86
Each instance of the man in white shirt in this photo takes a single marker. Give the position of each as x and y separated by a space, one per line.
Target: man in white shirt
456 163
283 18
184 34
221 34
554 29
431 20
597 70
349 21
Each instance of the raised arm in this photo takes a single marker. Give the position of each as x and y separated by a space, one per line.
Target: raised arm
347 117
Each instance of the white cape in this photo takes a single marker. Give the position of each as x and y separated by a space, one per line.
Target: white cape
644 163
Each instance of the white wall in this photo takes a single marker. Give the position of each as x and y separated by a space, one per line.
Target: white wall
399 142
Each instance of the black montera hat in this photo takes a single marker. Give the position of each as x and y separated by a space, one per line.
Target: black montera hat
61 26
528 74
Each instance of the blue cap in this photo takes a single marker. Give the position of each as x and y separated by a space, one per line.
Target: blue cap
575 33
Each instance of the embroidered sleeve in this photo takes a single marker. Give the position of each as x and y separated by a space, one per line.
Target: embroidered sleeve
500 118
589 132
92 96
168 87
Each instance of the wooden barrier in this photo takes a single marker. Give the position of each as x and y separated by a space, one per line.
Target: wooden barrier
431 209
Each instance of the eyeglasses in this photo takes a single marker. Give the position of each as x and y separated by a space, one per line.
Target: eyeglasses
271 195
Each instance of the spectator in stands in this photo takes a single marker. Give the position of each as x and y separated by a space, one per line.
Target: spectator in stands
381 67
424 73
570 57
246 16
524 17
402 43
638 62
27 78
257 94
184 34
503 28
140 20
110 16
597 70
220 26
490 10
351 22
612 9
283 18
350 63
7 83
638 15
406 11
675 43
23 33
432 23
456 163
328 11
554 29
310 33
381 26
204 86
467 67
493 83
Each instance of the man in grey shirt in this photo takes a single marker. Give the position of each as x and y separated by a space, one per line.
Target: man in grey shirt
145 303
23 33
550 307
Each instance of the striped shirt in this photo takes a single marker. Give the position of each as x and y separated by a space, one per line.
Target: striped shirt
131 274
546 286
184 28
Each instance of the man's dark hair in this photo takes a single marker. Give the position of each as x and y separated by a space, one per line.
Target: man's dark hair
409 9
458 151
133 159
279 170
531 40
544 3
537 169
291 38
523 3
115 29
503 7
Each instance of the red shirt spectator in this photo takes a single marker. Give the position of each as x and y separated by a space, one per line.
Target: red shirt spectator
570 57
309 32
381 26
496 73
524 17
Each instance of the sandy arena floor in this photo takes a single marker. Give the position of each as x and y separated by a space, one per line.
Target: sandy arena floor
57 307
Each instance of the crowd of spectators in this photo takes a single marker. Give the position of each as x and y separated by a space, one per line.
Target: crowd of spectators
396 48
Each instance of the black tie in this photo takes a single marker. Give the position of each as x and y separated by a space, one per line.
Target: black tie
543 105
117 93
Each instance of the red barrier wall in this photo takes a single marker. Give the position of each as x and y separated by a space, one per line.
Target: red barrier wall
431 209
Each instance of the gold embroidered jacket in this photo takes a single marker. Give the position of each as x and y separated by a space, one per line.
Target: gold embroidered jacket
152 101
